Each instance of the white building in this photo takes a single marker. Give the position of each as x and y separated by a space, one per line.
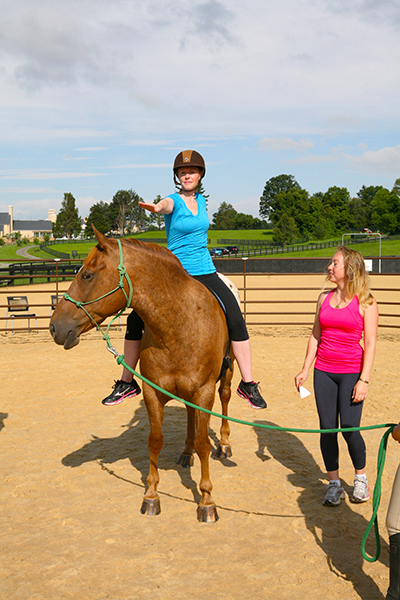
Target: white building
28 229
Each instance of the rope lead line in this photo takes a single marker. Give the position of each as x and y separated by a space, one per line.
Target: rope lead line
381 453
120 360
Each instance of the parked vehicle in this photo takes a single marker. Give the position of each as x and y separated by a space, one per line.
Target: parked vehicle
224 251
216 252
232 249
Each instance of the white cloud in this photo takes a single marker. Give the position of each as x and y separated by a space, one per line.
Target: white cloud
45 175
281 144
385 159
313 159
132 83
142 166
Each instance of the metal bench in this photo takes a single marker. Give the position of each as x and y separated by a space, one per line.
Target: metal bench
18 308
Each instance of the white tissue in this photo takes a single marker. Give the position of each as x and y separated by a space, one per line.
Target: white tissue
303 392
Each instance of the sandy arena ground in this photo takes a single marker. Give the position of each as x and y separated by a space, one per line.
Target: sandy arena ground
73 476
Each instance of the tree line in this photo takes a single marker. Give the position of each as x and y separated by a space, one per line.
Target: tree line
284 206
123 215
294 213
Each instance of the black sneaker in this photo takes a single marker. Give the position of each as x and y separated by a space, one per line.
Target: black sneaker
250 392
122 390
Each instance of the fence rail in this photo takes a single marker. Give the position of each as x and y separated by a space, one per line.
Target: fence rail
270 299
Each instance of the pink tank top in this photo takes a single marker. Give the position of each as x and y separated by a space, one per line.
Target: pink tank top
339 350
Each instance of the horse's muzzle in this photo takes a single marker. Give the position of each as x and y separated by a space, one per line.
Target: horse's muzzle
63 336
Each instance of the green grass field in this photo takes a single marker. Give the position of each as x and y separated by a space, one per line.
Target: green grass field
388 248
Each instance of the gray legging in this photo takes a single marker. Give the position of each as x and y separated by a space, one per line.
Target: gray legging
333 393
393 513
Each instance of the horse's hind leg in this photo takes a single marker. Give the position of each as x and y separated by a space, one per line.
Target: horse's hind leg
224 449
151 500
207 510
186 458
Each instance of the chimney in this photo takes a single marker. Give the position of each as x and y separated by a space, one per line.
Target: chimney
10 212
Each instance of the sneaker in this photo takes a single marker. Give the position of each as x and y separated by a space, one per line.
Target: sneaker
361 490
334 494
122 390
250 392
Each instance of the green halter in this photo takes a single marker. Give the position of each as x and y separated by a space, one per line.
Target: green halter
122 273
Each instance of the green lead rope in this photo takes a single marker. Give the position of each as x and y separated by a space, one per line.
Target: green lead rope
122 274
120 360
381 453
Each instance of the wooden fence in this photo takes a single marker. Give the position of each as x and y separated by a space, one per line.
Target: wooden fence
273 299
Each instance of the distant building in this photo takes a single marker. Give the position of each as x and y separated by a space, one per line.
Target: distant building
28 229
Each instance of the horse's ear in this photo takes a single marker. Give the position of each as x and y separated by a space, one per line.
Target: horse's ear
102 240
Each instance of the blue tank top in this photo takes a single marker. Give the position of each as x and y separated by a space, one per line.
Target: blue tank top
187 235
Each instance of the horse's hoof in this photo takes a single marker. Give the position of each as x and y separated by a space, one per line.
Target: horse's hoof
150 506
224 451
185 460
207 514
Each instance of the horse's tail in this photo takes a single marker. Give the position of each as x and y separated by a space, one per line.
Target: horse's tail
226 362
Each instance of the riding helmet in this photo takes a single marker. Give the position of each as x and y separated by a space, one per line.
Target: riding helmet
189 158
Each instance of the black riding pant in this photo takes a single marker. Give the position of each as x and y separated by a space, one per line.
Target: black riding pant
333 393
236 324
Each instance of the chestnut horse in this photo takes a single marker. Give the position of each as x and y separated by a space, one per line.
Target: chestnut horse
182 349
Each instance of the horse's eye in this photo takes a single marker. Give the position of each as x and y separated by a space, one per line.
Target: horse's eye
86 275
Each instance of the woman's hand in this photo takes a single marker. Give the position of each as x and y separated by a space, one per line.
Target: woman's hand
165 206
360 391
301 378
155 208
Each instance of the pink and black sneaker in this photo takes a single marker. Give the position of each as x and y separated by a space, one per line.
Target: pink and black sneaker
250 392
122 390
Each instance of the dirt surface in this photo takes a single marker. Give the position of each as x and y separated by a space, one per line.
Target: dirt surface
73 475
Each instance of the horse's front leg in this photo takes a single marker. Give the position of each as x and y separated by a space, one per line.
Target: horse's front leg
186 458
207 510
224 449
155 410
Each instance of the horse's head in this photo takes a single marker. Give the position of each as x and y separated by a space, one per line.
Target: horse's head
98 276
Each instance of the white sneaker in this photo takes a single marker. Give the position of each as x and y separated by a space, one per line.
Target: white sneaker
334 494
361 490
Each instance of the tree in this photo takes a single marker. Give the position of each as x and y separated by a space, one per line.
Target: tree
336 205
386 211
200 190
361 207
293 202
157 218
285 230
243 221
125 213
16 237
273 187
68 222
98 216
119 208
396 188
225 216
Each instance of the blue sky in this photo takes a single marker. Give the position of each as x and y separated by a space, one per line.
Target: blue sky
100 95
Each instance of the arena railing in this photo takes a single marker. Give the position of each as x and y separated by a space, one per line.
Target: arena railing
267 298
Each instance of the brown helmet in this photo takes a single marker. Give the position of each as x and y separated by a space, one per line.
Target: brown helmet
189 158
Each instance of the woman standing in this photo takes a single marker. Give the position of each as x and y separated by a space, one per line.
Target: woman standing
342 368
186 224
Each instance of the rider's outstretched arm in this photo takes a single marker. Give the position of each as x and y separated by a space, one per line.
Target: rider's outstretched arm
165 206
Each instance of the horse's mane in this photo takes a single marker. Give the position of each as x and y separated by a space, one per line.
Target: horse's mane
155 249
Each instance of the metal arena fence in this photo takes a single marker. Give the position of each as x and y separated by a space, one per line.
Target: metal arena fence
269 295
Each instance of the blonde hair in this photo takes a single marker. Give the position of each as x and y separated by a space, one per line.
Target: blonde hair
357 278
